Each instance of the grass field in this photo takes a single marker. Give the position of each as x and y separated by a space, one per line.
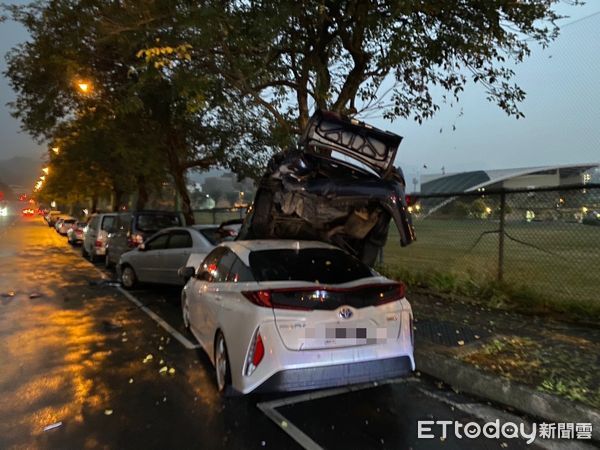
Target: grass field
560 266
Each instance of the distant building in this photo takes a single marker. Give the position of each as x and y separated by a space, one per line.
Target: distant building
521 178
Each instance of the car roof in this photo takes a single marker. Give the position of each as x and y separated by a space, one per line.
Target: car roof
243 248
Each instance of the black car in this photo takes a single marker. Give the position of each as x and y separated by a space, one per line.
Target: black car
338 186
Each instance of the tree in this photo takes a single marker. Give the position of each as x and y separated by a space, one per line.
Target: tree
362 58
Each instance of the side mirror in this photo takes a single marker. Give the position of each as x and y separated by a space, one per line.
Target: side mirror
186 273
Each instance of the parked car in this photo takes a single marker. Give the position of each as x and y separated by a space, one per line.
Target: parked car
52 217
591 218
339 187
75 233
291 315
159 258
133 228
64 224
96 235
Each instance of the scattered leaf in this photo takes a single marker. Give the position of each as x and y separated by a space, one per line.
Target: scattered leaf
163 370
171 371
108 412
461 342
148 358
52 426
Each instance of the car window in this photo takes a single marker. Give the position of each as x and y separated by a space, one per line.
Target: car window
320 265
124 222
157 243
211 235
155 222
108 223
223 266
239 272
211 262
180 239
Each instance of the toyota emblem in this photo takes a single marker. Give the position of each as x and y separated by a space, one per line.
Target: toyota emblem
345 313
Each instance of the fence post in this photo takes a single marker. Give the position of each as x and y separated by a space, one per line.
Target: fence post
501 236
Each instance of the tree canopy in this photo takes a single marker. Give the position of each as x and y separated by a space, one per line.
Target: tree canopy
172 85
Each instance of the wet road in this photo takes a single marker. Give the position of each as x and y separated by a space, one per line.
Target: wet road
74 354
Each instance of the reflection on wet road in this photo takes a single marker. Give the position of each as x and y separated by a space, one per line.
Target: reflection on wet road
74 357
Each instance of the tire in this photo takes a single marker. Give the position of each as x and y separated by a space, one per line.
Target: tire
185 312
128 277
92 256
84 252
222 367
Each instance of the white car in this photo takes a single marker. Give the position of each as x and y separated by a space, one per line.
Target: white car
284 315
64 224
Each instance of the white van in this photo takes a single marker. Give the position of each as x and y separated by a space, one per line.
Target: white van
95 235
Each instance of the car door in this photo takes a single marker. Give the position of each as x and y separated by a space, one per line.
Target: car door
201 290
175 255
146 261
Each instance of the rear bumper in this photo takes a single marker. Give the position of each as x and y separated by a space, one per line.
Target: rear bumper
337 375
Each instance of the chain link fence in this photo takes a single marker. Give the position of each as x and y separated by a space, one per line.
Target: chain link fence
216 216
545 239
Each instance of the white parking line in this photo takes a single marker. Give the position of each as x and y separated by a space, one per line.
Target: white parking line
176 334
168 328
270 408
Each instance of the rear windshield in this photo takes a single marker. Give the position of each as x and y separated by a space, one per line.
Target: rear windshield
318 265
211 234
155 222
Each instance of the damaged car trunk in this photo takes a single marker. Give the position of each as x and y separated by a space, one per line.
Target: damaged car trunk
340 186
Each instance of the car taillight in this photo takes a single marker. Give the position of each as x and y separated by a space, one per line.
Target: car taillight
135 239
255 354
259 298
98 243
392 295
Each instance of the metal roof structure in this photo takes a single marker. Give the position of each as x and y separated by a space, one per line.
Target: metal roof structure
545 176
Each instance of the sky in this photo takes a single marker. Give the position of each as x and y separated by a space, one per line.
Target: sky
561 125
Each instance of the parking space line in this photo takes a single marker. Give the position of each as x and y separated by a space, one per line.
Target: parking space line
270 408
168 328
176 334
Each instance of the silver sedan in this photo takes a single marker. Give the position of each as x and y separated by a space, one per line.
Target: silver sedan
158 259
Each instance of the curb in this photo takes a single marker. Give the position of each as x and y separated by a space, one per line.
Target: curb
518 396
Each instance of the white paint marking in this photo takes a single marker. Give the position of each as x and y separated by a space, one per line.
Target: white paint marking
490 414
270 408
176 334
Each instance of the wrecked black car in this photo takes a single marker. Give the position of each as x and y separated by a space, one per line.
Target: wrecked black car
339 186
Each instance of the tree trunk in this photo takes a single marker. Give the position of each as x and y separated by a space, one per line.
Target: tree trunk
142 197
94 208
117 198
178 172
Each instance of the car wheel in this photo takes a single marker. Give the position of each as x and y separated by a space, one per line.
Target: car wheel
128 277
222 367
185 312
92 256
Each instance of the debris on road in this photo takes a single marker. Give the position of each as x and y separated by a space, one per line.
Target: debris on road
171 371
53 426
8 294
163 370
35 295
148 358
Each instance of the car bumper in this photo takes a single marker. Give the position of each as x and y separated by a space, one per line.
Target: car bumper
337 375
283 369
